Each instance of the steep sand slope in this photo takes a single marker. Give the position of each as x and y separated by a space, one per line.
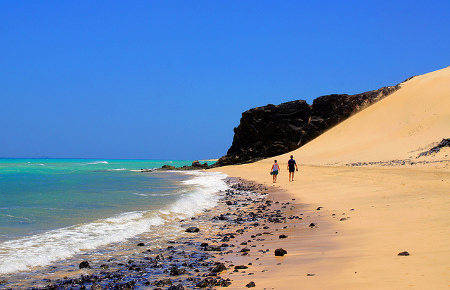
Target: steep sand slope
387 209
397 127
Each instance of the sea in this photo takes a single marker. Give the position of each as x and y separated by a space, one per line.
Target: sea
54 209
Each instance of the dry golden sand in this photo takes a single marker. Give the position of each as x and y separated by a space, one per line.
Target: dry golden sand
387 209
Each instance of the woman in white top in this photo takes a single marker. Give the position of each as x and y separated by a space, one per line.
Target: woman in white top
275 169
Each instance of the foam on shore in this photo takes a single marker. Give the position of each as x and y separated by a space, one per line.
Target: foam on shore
38 250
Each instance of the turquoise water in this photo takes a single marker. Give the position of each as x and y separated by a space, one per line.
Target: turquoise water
68 205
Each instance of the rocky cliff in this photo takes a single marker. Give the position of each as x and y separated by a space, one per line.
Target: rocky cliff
276 129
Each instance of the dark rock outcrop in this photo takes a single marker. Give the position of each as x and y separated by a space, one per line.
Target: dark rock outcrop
436 149
276 129
196 165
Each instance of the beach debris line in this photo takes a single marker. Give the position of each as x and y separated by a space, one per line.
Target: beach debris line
437 148
409 161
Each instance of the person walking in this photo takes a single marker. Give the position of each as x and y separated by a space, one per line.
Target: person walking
292 167
274 172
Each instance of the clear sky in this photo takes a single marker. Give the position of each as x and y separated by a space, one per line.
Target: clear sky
170 79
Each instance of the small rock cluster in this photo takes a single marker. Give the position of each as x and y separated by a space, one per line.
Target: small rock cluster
196 165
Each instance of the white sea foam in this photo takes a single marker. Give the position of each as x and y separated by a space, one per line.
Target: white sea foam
98 162
203 195
43 249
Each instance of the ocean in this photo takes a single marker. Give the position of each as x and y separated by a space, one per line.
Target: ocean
54 209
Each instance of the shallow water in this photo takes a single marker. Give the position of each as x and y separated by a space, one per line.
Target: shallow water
53 209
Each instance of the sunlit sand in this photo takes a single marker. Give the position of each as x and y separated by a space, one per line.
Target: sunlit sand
371 197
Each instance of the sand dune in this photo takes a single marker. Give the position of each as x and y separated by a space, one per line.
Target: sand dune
398 127
388 209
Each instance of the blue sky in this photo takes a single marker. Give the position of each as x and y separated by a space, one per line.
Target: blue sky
170 79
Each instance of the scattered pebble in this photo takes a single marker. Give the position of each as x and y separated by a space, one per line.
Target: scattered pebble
280 252
250 285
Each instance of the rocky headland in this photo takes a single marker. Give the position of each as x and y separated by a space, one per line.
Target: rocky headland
276 129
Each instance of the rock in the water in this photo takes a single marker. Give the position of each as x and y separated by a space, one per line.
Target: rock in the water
196 163
192 230
280 252
404 253
168 167
84 264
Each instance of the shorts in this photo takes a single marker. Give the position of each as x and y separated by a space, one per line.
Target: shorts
291 169
275 172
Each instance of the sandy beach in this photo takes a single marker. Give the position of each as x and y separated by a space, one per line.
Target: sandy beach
370 196
371 188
